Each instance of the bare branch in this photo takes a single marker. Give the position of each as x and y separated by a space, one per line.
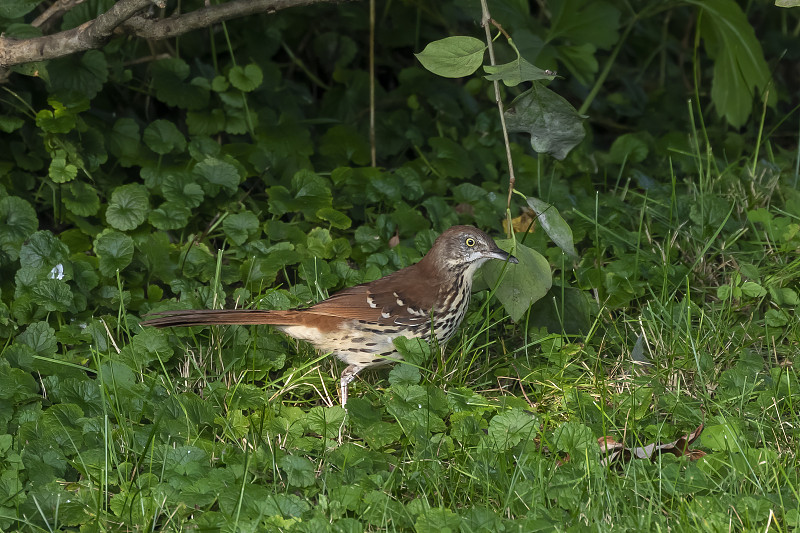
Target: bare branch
126 17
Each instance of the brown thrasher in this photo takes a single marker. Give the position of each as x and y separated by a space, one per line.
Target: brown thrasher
428 299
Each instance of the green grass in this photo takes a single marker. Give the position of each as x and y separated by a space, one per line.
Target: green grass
239 429
499 433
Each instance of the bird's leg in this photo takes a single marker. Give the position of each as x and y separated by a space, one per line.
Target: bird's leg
348 375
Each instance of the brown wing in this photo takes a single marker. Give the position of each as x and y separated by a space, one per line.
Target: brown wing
399 298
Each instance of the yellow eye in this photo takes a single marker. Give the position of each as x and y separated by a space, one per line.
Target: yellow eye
470 242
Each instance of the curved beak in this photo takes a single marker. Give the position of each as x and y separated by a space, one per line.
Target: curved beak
502 255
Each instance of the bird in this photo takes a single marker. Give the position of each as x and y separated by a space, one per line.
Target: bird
428 299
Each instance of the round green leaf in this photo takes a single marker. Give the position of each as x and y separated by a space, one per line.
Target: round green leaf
163 137
246 78
79 74
41 337
60 171
523 283
10 123
114 251
53 295
43 250
17 220
128 207
169 215
81 199
240 226
218 172
628 147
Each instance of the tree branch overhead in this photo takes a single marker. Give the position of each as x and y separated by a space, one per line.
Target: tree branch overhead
128 17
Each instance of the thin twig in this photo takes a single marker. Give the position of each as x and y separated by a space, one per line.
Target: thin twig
373 150
486 19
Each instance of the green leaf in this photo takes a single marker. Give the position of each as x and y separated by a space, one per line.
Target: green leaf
218 172
220 84
43 251
753 289
404 374
629 148
554 125
554 225
337 219
12 9
509 428
516 72
208 122
438 519
453 57
239 227
416 351
247 78
114 251
727 436
580 60
169 215
60 171
81 199
53 295
169 77
575 439
17 221
9 124
523 283
59 120
739 64
299 470
16 386
128 207
180 189
776 318
79 74
163 137
41 337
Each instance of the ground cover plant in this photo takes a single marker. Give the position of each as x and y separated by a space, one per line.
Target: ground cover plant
234 166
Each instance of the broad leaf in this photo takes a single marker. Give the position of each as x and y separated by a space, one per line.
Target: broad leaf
246 78
453 57
163 137
739 65
523 283
554 225
128 207
114 251
218 172
554 125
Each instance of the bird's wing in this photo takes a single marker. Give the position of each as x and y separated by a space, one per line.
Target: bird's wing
389 300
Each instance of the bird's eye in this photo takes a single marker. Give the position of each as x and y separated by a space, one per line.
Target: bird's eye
470 242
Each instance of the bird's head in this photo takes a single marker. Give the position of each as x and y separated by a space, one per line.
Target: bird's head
466 248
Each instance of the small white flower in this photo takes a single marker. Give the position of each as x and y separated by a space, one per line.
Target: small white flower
57 272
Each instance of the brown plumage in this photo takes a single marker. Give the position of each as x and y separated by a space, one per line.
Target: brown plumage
358 324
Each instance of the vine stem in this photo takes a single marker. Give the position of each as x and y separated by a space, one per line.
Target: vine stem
372 148
486 20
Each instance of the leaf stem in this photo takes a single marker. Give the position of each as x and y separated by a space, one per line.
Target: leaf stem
486 19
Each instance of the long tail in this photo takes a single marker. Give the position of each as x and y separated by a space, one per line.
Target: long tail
203 317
